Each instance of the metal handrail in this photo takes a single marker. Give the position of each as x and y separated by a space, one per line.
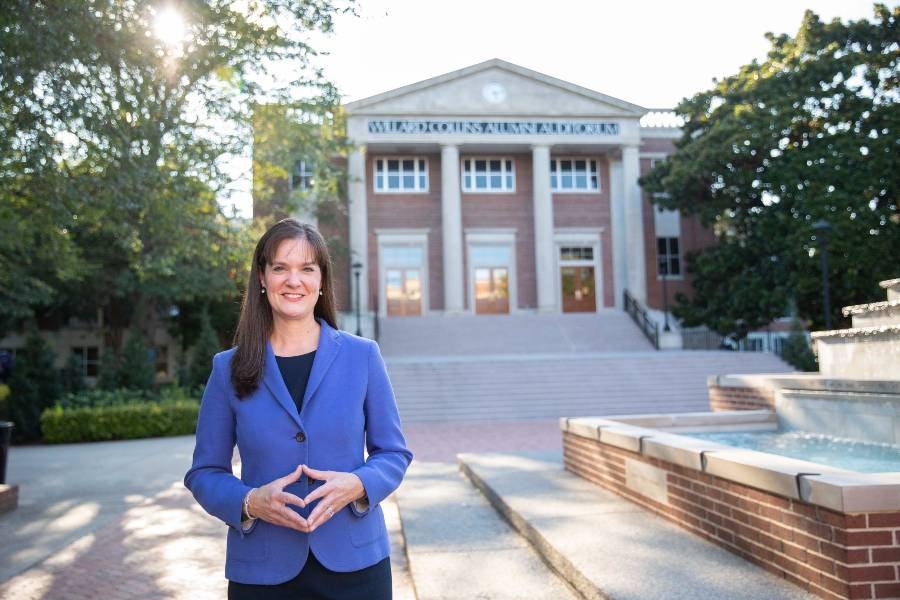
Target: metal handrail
376 325
639 316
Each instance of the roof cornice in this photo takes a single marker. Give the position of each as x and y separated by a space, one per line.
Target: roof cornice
362 104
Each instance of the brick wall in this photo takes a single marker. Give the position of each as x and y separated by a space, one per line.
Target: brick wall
830 554
591 210
408 211
740 398
508 210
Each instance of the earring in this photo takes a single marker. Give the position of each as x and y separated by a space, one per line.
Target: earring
262 291
321 292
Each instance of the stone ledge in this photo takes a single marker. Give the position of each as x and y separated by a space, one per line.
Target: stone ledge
857 332
859 309
806 381
889 283
606 546
852 492
9 497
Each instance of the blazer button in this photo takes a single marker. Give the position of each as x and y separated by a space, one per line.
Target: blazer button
300 437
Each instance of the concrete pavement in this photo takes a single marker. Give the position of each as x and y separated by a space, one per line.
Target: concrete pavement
112 520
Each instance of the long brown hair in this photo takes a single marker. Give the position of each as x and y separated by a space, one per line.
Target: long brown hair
256 322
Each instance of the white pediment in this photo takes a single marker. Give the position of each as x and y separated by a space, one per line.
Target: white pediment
494 88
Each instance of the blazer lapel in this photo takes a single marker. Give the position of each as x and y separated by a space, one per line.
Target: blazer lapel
329 344
275 382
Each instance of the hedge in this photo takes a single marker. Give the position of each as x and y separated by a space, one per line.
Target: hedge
119 422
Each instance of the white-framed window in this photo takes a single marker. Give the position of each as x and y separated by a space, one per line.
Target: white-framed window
489 174
574 175
668 259
401 174
89 357
302 175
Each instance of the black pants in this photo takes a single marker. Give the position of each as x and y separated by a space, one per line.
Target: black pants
315 582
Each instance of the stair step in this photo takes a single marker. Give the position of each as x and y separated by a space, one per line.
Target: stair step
607 547
458 547
551 387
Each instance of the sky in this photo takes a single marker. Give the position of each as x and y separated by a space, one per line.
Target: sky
649 52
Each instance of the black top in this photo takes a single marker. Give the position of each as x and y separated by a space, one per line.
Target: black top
295 372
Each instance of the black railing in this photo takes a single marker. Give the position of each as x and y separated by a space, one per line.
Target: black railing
376 322
639 316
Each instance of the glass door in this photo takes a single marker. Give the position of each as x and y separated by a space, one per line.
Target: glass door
491 290
403 292
578 289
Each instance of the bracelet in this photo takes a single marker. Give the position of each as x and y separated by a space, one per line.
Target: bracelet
245 507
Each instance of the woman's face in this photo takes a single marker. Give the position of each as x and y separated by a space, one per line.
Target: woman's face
292 281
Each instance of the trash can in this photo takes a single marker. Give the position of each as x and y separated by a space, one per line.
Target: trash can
5 437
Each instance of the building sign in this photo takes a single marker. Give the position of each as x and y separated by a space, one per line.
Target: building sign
416 126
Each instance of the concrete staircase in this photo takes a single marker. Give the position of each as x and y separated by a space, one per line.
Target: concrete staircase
465 368
464 335
870 349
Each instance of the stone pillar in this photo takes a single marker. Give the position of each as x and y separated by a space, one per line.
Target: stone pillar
619 230
359 228
544 259
634 224
451 229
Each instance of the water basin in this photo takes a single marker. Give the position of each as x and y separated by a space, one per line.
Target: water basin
843 453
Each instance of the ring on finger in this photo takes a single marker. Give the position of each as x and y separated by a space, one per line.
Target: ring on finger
329 511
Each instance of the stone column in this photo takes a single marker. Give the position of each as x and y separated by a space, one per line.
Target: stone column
634 223
451 228
544 259
619 231
359 228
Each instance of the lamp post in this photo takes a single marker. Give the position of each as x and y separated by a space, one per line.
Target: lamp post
823 233
357 268
665 277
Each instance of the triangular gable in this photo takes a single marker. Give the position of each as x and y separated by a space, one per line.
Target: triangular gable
494 87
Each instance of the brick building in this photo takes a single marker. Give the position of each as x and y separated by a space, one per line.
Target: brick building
497 189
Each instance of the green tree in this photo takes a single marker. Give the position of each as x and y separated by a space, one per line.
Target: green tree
809 133
136 369
202 352
796 350
34 386
115 127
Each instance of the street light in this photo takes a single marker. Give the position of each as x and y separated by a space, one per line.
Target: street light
823 233
357 268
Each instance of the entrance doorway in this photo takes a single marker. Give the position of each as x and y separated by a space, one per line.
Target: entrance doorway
491 290
492 271
403 292
578 293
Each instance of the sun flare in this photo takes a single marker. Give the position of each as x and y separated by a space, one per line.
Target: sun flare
169 27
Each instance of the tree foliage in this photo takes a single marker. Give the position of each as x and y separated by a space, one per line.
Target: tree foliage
34 386
115 133
809 133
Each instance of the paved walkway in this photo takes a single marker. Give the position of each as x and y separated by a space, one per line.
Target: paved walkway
112 520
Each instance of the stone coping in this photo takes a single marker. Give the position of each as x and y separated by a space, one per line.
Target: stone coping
859 309
856 332
889 283
9 497
806 381
830 487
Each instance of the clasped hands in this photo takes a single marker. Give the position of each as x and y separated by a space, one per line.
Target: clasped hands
270 502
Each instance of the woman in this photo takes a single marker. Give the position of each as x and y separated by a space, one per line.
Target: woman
299 398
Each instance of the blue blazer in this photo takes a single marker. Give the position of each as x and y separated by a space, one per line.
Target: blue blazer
348 405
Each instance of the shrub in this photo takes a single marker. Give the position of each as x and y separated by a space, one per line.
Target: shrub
136 369
34 386
128 420
206 346
796 350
